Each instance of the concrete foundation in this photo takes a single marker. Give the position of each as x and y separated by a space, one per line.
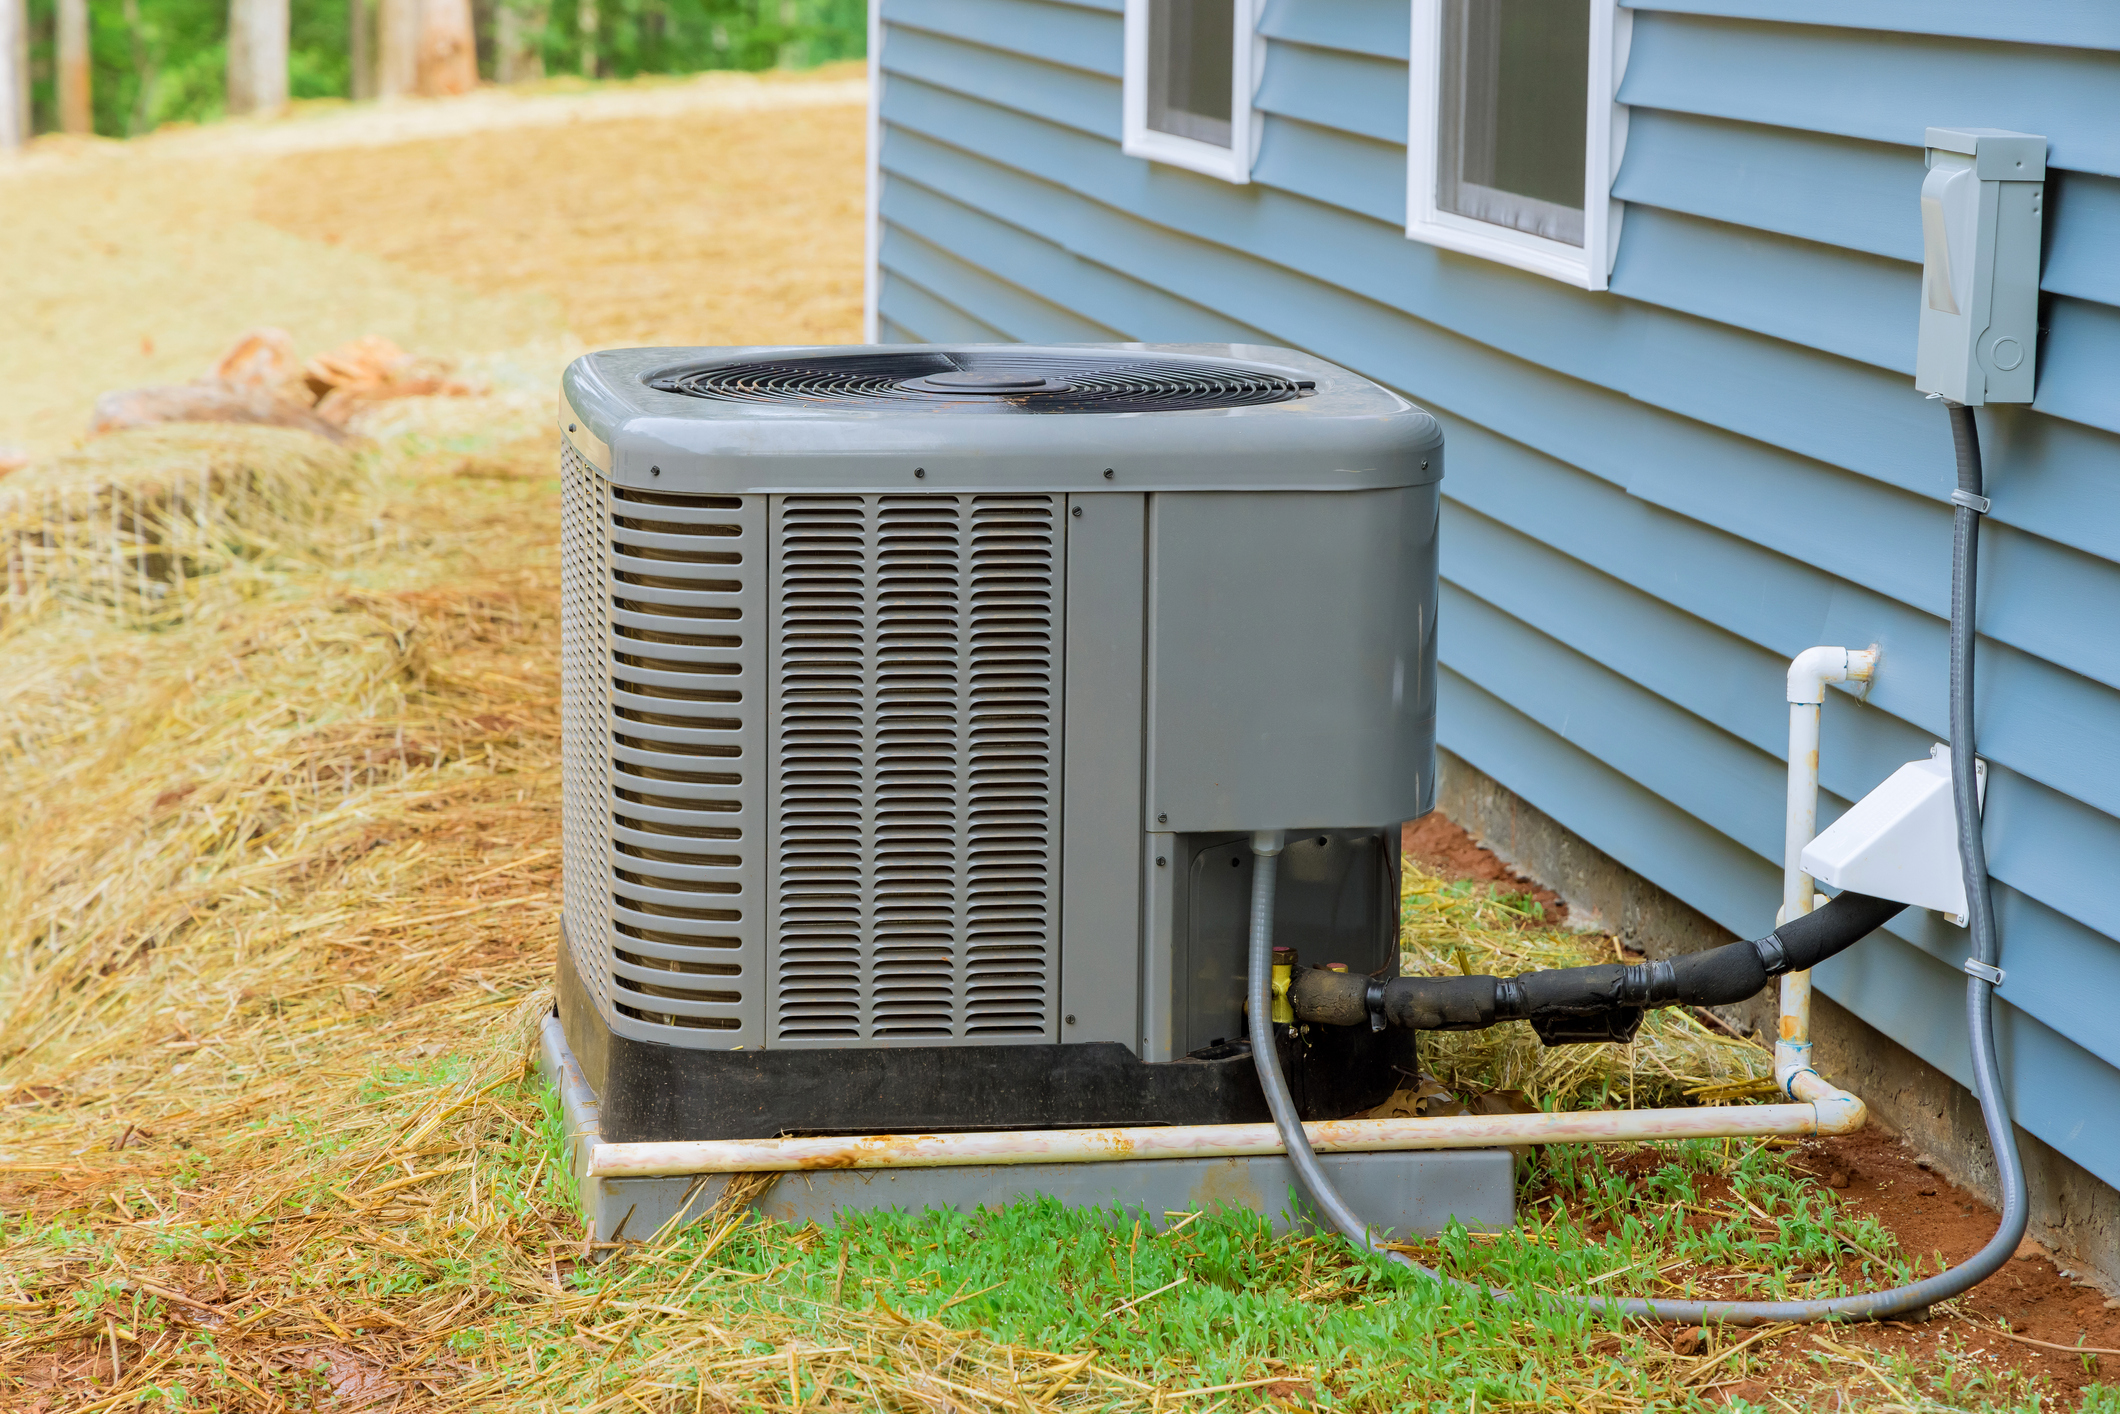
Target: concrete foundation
1402 1193
2074 1213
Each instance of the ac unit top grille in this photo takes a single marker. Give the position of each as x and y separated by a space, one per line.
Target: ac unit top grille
988 380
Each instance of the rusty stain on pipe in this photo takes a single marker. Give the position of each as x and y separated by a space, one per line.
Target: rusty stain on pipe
1827 1111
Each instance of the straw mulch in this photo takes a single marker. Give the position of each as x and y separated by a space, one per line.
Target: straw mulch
133 521
712 228
692 221
1676 1058
276 897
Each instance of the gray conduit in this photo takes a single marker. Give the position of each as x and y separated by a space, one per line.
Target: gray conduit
1912 1300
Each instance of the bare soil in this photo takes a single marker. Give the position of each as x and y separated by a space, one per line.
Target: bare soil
1877 1174
1436 842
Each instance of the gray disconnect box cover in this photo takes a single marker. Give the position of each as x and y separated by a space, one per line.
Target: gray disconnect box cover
1981 209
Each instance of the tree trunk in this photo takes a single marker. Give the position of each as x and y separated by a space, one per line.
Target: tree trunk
585 21
518 41
448 49
257 56
398 48
14 74
360 48
75 113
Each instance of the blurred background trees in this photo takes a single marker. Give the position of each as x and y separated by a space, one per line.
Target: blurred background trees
150 62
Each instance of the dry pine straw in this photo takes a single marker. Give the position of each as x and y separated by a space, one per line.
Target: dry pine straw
278 889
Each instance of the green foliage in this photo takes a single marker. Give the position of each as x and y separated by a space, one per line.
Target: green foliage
165 61
150 62
681 36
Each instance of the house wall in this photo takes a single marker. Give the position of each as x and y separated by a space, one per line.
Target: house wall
1657 495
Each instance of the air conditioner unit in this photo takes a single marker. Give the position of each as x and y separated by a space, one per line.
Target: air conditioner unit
918 702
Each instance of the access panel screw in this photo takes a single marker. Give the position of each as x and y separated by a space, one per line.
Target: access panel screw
920 471
1107 473
1076 513
655 471
1071 1018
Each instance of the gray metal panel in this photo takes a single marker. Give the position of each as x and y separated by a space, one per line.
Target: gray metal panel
1162 979
1291 660
1346 434
1100 852
915 706
1336 902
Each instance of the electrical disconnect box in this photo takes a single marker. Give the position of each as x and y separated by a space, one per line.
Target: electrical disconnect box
1980 216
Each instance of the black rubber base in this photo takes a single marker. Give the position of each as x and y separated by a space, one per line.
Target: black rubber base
654 1092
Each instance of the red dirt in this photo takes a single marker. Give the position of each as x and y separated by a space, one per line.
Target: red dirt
1443 849
1929 1215
1876 1173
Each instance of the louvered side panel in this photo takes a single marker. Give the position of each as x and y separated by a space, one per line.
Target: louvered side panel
823 637
915 730
918 828
681 809
585 717
1013 836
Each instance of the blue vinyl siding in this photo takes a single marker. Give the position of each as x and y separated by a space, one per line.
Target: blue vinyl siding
1656 495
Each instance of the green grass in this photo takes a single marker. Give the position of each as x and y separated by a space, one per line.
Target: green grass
1219 1299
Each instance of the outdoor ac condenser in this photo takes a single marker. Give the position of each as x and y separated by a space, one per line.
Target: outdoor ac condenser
918 702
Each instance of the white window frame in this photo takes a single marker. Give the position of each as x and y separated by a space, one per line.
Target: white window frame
1589 265
1231 163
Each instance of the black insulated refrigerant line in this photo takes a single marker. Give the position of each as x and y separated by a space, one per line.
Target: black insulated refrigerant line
1982 977
1600 1003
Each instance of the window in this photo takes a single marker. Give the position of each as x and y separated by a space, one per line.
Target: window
1188 84
1513 132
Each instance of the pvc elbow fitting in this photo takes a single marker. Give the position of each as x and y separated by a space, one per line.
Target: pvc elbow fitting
1812 669
1838 1112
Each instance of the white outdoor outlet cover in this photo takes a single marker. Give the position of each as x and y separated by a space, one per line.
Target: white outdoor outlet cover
1901 840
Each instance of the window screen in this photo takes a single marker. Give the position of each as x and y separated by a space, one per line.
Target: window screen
1191 47
1515 95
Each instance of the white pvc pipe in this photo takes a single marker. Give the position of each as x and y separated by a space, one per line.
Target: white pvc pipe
1822 1110
1809 672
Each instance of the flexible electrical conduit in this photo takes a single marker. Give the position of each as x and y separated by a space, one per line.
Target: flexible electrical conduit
1981 979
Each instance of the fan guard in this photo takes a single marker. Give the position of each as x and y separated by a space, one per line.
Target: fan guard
983 380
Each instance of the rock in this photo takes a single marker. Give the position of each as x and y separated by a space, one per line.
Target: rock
2029 1250
205 402
1838 1178
1689 1341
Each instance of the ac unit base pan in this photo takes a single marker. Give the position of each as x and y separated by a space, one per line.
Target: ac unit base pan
657 1092
1408 1192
